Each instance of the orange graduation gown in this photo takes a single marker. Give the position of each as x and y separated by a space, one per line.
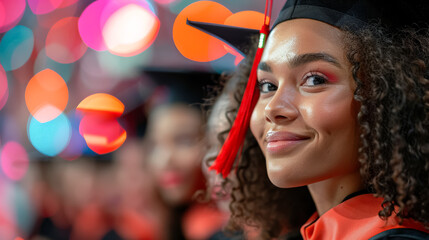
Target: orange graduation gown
357 218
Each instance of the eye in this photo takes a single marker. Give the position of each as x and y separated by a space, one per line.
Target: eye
265 87
314 79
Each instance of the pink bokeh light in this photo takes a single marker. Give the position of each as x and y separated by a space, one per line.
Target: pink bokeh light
14 160
90 26
44 6
63 43
11 13
4 89
99 13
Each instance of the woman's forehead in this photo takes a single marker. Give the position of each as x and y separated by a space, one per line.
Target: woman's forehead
299 36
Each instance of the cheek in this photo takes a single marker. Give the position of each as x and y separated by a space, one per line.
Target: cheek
330 116
189 158
257 121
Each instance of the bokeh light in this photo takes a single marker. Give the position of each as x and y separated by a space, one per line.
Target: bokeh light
95 16
246 19
16 47
4 89
49 138
101 102
112 6
44 6
14 160
46 95
63 43
43 62
89 25
102 132
130 30
99 126
193 43
11 13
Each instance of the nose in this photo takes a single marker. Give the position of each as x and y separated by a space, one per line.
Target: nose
162 157
281 107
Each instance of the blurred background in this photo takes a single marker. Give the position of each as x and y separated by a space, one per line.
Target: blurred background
86 89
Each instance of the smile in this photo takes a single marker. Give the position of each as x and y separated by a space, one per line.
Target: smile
282 142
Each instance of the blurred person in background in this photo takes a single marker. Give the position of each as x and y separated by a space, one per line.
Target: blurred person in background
142 211
125 204
97 219
176 146
64 190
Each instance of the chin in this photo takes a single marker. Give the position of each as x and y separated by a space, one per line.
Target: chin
174 198
279 180
291 179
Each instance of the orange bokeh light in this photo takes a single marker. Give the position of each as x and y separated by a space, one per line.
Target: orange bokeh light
193 43
101 102
246 19
46 95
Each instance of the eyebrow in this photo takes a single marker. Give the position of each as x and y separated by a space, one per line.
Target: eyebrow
303 59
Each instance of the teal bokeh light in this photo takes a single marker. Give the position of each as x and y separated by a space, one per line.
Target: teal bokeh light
16 47
49 138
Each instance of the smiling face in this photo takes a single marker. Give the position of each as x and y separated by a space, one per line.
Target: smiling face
306 118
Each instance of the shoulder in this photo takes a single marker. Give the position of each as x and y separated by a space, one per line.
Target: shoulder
401 234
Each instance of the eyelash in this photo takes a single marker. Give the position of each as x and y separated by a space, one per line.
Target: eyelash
262 83
314 74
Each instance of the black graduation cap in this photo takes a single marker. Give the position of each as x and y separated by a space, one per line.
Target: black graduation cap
351 14
354 14
183 85
236 37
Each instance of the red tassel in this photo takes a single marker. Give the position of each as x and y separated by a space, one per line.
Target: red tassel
235 139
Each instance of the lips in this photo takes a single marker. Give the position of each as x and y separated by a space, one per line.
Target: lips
282 142
171 179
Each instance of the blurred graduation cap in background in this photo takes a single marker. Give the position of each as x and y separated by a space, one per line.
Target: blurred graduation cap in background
181 85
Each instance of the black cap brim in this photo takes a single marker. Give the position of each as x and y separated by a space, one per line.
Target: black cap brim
236 37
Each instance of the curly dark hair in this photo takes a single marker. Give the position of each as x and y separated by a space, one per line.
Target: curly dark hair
391 71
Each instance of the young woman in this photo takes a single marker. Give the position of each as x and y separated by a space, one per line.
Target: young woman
282 214
343 109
